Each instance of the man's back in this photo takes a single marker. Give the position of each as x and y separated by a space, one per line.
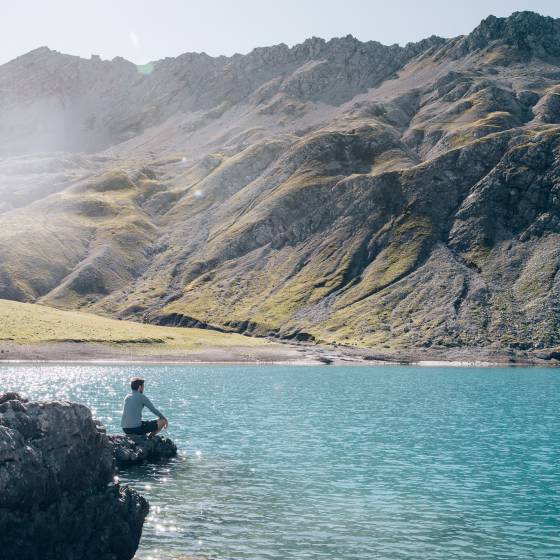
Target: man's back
132 410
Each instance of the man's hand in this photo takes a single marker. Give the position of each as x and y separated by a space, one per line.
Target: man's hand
162 423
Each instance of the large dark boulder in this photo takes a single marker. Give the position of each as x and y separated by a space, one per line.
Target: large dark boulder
134 450
57 497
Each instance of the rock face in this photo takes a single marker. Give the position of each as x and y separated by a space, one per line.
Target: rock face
336 191
134 450
57 499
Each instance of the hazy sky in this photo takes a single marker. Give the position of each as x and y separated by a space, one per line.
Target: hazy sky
142 30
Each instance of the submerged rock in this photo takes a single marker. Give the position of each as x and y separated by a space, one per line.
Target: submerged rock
131 449
57 499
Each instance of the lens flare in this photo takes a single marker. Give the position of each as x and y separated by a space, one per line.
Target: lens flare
145 69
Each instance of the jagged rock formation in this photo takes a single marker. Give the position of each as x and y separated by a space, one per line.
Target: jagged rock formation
337 191
134 450
57 499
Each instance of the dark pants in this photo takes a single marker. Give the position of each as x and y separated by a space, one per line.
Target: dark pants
144 428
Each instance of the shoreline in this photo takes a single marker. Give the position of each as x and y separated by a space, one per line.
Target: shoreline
279 354
422 363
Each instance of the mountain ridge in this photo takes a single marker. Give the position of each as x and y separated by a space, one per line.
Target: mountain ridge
514 29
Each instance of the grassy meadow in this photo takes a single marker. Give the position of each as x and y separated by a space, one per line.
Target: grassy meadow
25 323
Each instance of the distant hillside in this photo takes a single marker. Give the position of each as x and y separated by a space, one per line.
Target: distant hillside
334 191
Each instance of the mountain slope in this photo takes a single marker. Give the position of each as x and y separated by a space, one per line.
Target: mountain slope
337 191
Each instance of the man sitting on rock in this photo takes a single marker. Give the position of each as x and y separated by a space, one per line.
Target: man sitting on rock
131 422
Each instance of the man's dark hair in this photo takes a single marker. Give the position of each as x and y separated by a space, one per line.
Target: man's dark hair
135 383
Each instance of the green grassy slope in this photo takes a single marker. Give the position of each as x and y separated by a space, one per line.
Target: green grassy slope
24 323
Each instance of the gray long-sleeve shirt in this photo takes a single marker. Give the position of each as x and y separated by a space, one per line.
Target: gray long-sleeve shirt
132 410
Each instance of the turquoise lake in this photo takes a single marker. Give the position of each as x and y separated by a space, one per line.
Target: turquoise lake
337 462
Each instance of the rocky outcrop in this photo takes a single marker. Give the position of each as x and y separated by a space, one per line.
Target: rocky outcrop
528 32
133 450
57 497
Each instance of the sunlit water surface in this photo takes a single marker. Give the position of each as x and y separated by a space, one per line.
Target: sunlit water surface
338 463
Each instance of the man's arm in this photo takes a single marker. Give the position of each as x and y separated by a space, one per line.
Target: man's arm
148 404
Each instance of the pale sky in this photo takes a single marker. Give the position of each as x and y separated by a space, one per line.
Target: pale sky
145 30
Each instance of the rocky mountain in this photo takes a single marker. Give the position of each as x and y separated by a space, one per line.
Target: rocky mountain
338 191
